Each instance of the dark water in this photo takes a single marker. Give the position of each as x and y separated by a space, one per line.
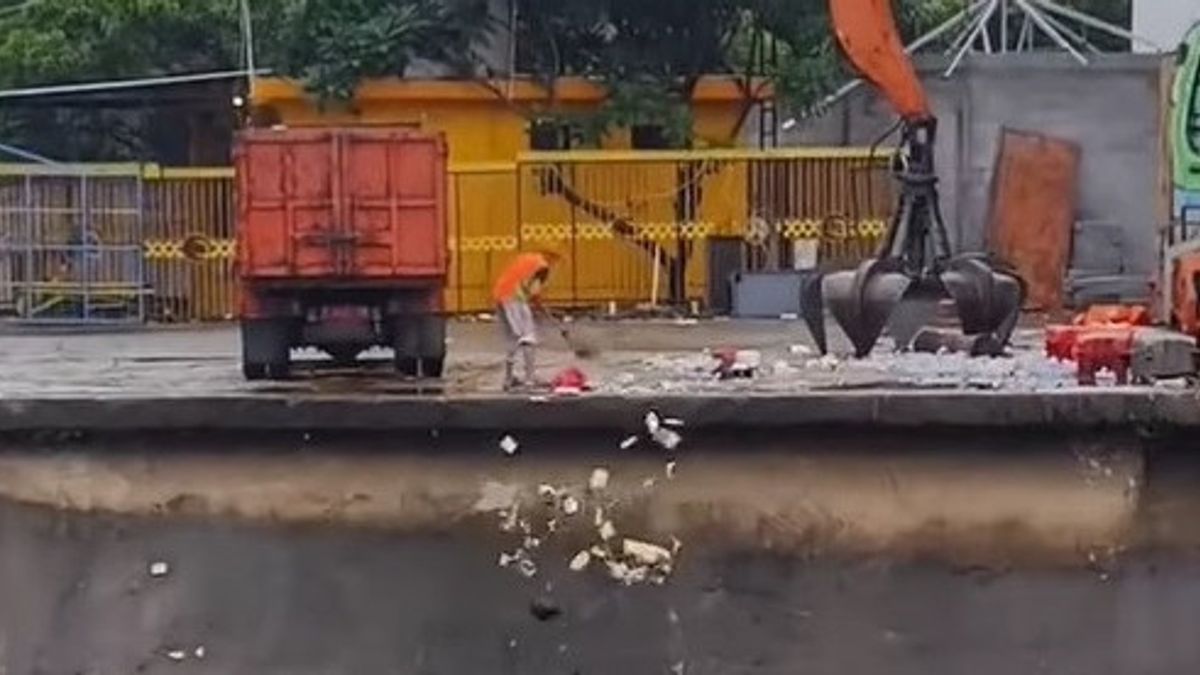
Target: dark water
77 598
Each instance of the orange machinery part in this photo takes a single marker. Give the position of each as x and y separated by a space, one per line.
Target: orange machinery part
867 33
1186 311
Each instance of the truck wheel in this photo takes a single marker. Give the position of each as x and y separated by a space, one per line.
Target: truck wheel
408 366
254 371
266 348
433 367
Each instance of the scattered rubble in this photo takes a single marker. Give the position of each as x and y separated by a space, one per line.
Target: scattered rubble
646 553
570 505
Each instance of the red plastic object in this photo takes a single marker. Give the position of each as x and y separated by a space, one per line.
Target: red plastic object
1104 348
1060 341
570 381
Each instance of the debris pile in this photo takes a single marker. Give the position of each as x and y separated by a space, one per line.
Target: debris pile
629 560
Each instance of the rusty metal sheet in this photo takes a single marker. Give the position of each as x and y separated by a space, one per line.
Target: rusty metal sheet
1032 214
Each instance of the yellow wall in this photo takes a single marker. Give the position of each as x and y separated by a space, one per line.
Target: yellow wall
487 122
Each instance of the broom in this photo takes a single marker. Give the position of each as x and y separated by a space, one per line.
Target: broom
582 349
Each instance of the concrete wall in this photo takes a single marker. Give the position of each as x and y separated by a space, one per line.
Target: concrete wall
1111 109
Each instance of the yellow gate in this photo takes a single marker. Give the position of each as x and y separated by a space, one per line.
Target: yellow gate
632 228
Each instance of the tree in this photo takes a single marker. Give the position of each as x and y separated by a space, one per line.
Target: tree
334 44
64 41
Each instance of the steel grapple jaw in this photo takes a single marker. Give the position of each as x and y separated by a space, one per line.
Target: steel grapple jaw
901 287
881 294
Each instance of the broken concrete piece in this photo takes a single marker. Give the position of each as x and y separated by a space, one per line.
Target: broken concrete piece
1162 354
544 608
200 652
598 517
527 567
548 493
629 442
570 505
159 568
800 350
673 422
599 479
670 470
177 655
645 553
653 422
509 445
648 483
607 530
667 438
580 561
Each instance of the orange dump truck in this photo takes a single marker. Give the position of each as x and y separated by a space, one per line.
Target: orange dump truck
341 246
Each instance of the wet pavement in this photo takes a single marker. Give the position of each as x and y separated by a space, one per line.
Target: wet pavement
633 359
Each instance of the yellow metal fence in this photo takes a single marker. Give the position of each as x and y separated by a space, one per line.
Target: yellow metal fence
632 228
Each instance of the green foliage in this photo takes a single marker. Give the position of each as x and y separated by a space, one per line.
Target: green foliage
334 44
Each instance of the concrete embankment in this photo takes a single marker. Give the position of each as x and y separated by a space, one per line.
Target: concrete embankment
836 552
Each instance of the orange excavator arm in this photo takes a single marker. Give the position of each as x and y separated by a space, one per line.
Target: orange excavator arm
915 263
867 33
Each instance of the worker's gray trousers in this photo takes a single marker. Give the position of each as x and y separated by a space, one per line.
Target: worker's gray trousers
520 336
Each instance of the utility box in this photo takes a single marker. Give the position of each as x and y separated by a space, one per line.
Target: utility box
341 245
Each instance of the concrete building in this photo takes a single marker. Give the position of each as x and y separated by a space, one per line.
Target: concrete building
1113 109
1163 21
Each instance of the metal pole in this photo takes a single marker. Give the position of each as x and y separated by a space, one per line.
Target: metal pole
1003 26
1036 15
248 38
964 38
1092 21
974 35
1067 31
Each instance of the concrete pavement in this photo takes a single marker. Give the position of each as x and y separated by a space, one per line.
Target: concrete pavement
190 380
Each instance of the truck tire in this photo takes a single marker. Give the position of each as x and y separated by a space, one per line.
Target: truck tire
420 345
433 367
266 348
408 366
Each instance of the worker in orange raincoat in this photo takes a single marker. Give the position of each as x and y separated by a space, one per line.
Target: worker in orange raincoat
516 293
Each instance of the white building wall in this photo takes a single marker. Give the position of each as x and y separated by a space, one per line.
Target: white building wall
1164 21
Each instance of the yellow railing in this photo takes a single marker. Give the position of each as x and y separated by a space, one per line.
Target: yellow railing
632 228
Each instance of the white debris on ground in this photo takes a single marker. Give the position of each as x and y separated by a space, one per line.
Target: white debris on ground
159 568
796 369
177 655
